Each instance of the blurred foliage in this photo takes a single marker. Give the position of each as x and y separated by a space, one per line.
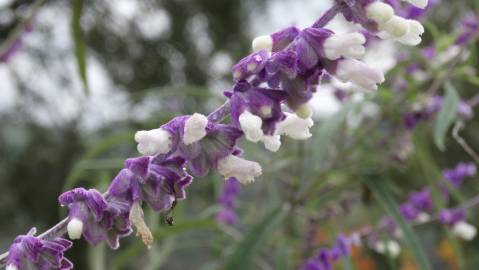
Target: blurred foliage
318 180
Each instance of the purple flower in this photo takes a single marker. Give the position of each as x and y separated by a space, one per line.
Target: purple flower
457 174
227 201
157 181
470 25
262 104
421 200
451 216
30 252
408 211
94 217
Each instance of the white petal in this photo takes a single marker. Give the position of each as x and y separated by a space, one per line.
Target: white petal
344 45
272 143
413 37
396 26
11 267
295 127
195 128
243 170
423 217
304 111
262 43
379 12
418 3
357 72
152 142
464 230
251 126
75 229
393 248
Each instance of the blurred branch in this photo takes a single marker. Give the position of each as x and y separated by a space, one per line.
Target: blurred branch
20 29
461 141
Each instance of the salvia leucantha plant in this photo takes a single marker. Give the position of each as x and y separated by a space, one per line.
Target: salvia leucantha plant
270 96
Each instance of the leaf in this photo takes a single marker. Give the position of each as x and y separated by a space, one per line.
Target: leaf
446 116
248 246
382 194
80 47
326 133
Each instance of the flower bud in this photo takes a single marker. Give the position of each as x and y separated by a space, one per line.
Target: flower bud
344 45
357 72
396 26
295 127
413 37
262 43
304 111
251 126
152 142
390 248
243 170
272 143
379 12
75 228
195 128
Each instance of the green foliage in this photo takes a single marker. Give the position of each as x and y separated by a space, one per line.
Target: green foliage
446 116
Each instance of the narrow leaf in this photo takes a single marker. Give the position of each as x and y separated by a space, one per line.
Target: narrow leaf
252 241
80 47
446 116
382 194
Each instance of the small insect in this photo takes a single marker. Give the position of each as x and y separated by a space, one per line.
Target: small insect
169 220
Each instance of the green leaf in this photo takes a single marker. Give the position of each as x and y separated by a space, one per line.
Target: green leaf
252 241
446 116
80 47
382 194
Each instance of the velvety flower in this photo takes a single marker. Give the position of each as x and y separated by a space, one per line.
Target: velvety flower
256 110
218 143
227 202
457 174
157 181
408 211
451 216
243 170
30 252
390 248
380 17
94 217
252 64
356 72
421 200
470 27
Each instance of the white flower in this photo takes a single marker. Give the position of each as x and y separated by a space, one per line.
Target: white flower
11 267
423 217
155 141
379 12
396 26
75 228
262 43
357 72
272 143
344 45
413 36
195 128
464 230
304 111
243 170
295 127
390 248
418 3
251 126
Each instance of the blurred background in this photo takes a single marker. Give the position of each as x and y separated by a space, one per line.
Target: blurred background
147 61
